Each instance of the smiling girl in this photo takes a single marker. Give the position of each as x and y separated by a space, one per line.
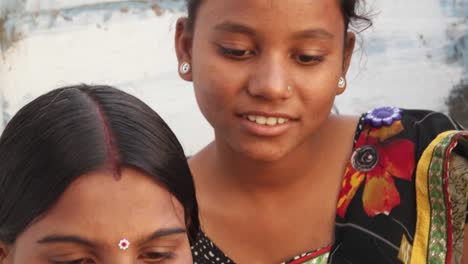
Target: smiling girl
286 181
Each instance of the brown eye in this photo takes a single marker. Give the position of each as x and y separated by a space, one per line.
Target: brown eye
238 54
76 261
309 59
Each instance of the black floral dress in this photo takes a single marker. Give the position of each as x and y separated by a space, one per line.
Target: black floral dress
403 197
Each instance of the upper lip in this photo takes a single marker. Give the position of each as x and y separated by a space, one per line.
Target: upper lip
268 114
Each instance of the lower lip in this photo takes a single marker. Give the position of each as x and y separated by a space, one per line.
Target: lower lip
264 130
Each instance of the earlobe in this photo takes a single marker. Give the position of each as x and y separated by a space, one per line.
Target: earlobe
183 46
341 85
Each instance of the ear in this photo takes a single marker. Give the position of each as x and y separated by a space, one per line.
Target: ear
183 45
348 52
4 251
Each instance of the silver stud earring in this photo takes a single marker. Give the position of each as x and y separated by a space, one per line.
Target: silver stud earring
341 83
184 68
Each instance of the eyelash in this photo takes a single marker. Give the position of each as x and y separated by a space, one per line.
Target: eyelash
156 257
76 261
239 54
234 53
311 60
153 257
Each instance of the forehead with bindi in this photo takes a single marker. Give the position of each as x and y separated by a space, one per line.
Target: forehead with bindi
102 218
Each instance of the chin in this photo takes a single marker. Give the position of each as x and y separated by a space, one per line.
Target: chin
262 152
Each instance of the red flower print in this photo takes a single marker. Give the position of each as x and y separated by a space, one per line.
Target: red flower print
377 159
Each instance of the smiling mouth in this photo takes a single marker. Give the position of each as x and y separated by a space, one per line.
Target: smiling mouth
266 121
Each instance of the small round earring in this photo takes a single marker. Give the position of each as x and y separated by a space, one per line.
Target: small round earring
184 68
289 88
341 83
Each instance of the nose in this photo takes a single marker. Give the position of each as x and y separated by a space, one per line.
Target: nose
270 79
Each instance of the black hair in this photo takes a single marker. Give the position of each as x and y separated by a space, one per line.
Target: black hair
352 10
76 130
355 16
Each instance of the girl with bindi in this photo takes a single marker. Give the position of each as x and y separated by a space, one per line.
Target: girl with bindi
285 181
90 174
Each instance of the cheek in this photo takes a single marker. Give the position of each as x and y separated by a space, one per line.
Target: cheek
208 77
318 95
213 72
211 104
320 90
214 91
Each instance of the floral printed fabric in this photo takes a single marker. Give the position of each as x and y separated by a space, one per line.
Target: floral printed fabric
378 158
400 200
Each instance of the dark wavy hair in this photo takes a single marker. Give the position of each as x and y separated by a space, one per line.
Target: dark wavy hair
76 130
353 13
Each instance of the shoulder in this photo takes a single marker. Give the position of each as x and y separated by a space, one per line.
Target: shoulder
429 124
419 126
437 121
416 131
341 128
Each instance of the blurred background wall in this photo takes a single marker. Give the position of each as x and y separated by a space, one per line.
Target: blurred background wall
415 56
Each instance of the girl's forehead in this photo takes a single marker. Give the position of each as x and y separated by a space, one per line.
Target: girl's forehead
309 7
99 207
272 17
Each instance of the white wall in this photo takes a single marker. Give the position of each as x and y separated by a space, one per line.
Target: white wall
129 44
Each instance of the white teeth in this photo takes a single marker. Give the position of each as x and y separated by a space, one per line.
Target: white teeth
260 120
282 120
269 121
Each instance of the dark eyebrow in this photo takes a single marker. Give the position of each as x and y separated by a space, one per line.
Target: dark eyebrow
85 242
165 232
314 34
66 239
235 28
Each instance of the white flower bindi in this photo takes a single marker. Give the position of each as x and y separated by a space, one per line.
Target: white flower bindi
124 244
